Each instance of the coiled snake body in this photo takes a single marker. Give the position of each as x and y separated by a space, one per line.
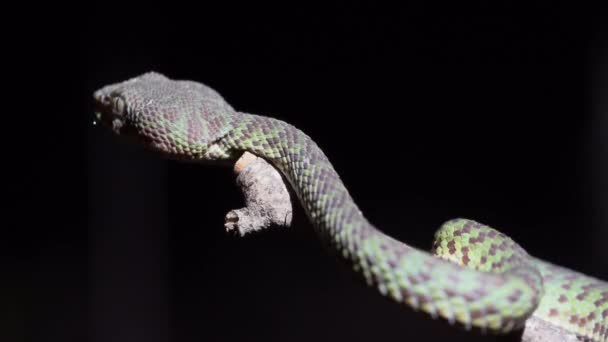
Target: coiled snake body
478 277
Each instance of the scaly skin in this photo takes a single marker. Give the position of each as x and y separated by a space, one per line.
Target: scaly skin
478 276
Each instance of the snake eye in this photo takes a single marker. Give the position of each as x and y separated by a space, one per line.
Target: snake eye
119 106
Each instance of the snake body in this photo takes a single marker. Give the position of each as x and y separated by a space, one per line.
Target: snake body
477 277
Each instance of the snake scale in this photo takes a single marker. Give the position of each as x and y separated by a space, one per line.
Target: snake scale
476 276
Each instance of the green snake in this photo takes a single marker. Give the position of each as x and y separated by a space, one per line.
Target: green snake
476 276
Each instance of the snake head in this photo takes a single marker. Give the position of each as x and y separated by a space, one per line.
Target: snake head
181 119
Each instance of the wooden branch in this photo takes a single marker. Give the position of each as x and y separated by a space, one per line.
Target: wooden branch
537 330
267 200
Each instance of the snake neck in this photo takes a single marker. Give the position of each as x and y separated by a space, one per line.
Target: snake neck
318 186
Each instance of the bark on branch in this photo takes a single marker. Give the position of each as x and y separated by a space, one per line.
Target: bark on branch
267 200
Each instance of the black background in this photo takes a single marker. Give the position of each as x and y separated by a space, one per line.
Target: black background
429 112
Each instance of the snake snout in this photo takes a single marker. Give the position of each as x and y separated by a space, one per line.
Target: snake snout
110 109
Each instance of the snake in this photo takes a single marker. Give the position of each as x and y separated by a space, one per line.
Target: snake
474 276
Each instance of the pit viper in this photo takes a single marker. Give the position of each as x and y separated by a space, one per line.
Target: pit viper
475 276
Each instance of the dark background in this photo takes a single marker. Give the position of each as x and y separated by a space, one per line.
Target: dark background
429 112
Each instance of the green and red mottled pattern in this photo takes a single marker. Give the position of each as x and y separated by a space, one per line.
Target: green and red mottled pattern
478 276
